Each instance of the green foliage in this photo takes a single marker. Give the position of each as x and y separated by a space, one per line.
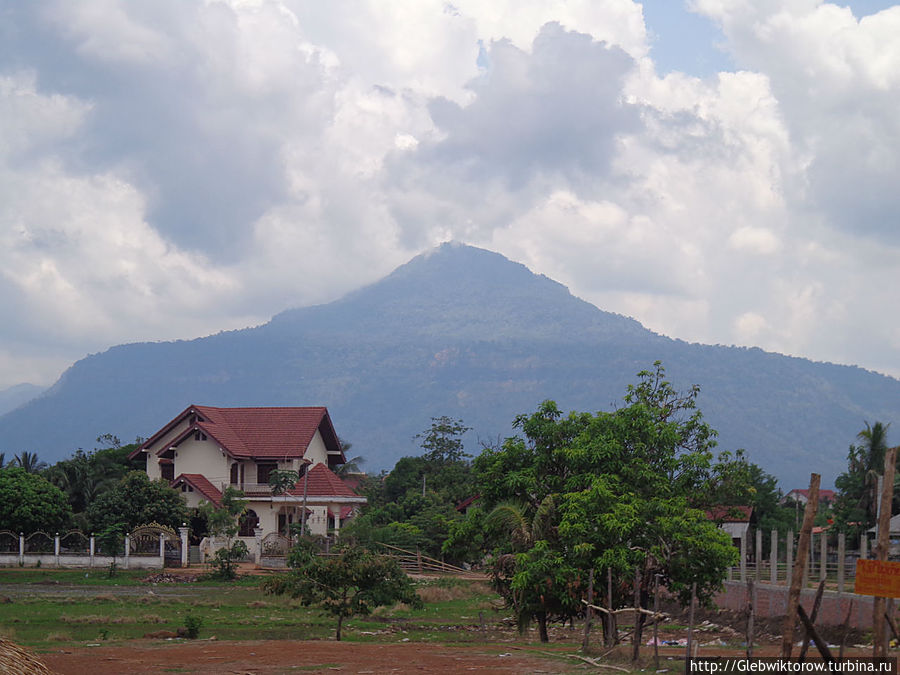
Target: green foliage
225 560
351 583
282 481
222 521
87 475
856 505
192 624
606 491
414 506
29 503
136 500
29 462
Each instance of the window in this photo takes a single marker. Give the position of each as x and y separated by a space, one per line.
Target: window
263 471
249 520
167 470
199 436
234 473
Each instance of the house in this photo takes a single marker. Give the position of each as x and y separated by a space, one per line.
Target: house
204 449
802 497
735 520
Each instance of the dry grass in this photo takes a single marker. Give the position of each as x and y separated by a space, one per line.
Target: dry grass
259 604
98 619
14 660
58 637
104 597
446 593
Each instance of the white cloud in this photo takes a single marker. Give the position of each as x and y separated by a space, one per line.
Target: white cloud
271 153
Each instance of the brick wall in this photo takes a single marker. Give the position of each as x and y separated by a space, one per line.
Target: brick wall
771 601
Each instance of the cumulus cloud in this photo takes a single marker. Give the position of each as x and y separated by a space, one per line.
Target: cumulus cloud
270 153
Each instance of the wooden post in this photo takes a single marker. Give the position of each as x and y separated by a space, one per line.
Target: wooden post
656 624
751 614
690 637
812 619
879 649
864 546
612 631
638 617
773 557
744 557
809 514
587 613
842 566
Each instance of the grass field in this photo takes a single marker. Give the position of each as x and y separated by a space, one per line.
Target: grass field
43 608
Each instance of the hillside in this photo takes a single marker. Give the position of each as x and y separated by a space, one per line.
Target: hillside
463 332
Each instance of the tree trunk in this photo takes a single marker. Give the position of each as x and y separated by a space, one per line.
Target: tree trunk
542 626
340 621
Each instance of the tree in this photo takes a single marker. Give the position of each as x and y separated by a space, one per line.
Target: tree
29 503
443 442
222 521
136 500
30 462
351 583
622 485
857 499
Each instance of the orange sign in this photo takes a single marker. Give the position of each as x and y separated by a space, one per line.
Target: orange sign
874 577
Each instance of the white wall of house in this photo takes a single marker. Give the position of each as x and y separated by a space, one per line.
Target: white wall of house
203 457
316 452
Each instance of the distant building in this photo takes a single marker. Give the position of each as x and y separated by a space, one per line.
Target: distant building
802 496
735 520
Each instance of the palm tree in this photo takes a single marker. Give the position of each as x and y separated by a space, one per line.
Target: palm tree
871 453
30 462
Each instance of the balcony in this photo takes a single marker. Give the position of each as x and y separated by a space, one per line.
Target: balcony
251 489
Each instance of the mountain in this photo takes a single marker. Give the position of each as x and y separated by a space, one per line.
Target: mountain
12 397
463 332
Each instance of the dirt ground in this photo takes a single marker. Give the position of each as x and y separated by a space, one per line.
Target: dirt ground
269 657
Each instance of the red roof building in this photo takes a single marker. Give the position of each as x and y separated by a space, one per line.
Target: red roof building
204 450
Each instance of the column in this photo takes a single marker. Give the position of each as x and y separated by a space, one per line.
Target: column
21 548
863 546
127 550
758 556
823 550
789 542
93 550
185 547
56 548
744 557
773 557
257 553
162 550
841 570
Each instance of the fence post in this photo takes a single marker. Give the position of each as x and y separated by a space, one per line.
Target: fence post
127 550
757 555
162 550
863 546
56 548
21 548
257 554
93 550
842 564
744 557
773 557
823 554
790 557
185 546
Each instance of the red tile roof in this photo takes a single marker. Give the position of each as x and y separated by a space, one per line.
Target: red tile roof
258 432
201 485
322 482
730 514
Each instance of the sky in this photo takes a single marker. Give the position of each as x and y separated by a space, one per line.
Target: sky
723 171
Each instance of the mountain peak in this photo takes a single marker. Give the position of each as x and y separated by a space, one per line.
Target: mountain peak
459 291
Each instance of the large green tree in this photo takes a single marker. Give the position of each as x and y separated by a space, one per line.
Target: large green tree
136 500
29 503
628 489
856 505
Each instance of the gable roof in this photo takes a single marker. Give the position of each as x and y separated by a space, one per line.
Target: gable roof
322 482
201 485
730 514
253 433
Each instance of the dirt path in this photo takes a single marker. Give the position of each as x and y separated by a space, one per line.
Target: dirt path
269 657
